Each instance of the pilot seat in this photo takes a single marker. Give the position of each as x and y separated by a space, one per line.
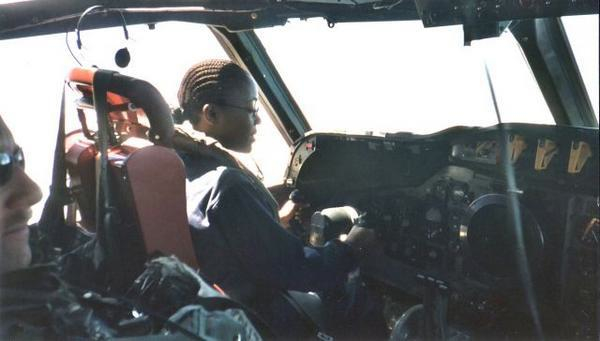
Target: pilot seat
127 181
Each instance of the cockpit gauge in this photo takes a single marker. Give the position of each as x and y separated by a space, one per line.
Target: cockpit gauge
481 152
440 190
434 223
303 151
487 232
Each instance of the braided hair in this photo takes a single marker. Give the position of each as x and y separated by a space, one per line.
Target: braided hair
205 82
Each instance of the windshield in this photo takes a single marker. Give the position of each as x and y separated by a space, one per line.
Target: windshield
32 85
582 32
399 76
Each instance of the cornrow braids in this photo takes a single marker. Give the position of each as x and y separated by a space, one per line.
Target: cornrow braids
205 82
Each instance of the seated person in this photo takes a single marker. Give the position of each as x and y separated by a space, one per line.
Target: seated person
32 299
37 303
236 229
17 194
208 90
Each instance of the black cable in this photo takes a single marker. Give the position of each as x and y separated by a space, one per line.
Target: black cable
512 193
122 57
90 10
69 48
493 93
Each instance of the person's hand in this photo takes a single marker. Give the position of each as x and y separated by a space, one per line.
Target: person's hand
362 241
289 211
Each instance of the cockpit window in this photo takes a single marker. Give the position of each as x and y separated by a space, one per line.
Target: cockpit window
33 69
399 76
582 32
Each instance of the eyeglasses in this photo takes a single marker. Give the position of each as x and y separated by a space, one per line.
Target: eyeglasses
252 112
7 164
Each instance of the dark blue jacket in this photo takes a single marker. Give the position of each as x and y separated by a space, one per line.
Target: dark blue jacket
242 247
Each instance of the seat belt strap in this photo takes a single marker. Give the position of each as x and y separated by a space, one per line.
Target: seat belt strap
107 218
52 221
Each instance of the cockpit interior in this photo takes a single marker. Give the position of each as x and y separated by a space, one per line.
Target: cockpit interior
489 227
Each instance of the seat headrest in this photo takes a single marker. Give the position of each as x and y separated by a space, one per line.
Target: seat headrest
123 90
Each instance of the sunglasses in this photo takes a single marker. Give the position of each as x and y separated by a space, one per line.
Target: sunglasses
7 164
252 112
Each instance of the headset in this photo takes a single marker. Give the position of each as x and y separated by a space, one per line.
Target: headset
122 56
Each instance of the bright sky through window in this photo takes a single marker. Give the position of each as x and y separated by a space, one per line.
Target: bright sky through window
344 78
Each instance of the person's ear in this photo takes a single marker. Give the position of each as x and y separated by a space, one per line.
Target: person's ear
209 114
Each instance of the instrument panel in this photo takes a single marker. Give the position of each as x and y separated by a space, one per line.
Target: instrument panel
441 206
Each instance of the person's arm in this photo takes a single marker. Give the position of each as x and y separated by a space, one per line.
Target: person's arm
290 210
270 253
